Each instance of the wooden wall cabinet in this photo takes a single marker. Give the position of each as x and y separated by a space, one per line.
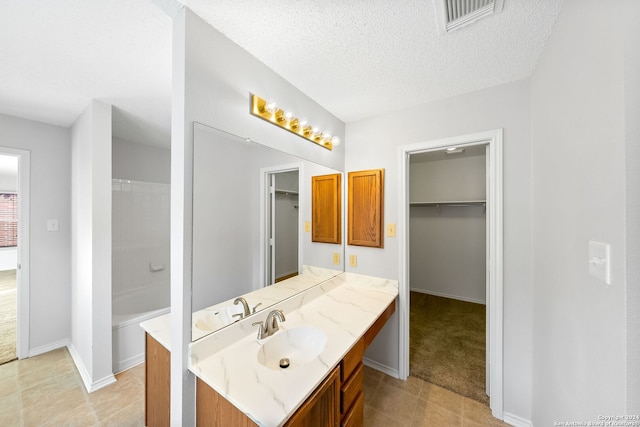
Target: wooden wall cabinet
366 208
326 208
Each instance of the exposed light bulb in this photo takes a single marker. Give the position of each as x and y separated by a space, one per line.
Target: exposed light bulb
271 107
335 140
288 115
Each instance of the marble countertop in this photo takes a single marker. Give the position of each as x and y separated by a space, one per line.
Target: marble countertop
343 308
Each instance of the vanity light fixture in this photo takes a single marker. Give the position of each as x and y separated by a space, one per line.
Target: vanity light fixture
270 112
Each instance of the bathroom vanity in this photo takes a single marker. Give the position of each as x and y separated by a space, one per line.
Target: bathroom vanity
239 382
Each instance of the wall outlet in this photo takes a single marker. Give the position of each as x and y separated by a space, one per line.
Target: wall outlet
391 230
336 258
353 260
307 227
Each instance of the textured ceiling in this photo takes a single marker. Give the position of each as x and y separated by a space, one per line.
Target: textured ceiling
356 58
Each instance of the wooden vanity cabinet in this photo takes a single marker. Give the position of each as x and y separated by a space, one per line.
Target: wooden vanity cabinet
322 407
337 401
157 383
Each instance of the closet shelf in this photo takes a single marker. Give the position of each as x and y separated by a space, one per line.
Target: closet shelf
283 191
455 204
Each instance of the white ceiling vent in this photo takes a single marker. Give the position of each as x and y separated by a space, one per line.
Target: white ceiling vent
455 14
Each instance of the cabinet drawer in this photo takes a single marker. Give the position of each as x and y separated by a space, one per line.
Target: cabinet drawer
355 416
350 390
352 360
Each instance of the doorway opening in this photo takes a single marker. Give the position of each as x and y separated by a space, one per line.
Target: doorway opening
14 238
447 226
281 223
456 212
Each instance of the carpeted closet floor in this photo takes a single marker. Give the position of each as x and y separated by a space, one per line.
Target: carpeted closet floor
447 344
7 315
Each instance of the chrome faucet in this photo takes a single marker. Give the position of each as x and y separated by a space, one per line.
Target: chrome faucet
270 325
245 306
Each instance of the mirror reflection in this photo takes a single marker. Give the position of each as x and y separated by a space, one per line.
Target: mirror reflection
252 243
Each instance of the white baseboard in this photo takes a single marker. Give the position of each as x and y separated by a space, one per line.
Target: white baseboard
382 368
47 348
129 363
89 383
439 294
515 420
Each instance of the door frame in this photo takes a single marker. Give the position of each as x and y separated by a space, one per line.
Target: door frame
22 270
265 180
493 139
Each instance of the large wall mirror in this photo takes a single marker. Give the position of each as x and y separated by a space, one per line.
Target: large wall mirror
251 229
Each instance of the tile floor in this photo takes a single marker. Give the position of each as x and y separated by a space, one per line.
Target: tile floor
390 402
47 390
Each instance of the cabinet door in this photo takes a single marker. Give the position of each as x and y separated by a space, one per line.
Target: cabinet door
366 208
326 208
322 408
157 383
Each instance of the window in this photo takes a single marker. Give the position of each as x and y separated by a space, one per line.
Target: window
8 220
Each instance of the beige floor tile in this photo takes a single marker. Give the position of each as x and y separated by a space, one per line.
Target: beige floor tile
10 410
66 414
376 418
475 411
411 385
126 392
432 415
442 397
8 370
8 386
129 416
395 403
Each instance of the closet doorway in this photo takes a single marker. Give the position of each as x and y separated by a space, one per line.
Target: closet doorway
281 224
447 258
451 251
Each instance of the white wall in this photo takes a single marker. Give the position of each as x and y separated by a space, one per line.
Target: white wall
373 143
212 79
91 245
578 165
50 252
448 244
632 154
140 162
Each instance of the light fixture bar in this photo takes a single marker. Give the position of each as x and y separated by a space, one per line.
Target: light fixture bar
270 112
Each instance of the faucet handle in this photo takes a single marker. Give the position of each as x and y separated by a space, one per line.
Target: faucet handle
256 306
260 329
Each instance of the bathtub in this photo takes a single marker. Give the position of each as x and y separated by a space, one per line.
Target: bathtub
129 309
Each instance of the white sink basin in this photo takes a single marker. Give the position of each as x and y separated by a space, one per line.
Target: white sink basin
212 321
300 345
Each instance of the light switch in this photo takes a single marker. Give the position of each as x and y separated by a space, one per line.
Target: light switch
353 261
336 258
391 230
52 225
307 227
600 261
